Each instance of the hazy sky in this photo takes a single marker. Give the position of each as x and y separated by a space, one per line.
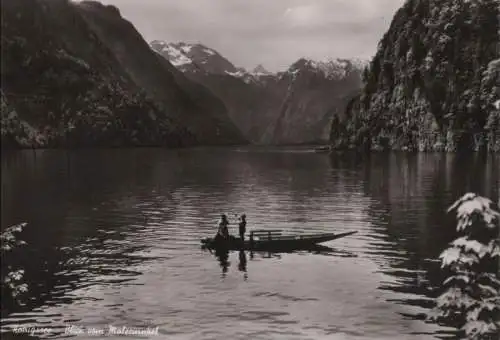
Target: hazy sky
274 33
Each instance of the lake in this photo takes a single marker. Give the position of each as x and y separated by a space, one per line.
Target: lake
114 239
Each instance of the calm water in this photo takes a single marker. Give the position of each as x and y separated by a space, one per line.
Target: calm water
113 239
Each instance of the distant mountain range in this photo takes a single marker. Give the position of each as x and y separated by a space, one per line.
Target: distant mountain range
291 107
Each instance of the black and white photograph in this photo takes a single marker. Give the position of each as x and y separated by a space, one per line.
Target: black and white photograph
250 169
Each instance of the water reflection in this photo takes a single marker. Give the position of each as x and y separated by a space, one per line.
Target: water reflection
110 231
68 276
222 256
411 194
242 265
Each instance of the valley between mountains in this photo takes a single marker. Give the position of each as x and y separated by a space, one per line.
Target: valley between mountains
295 106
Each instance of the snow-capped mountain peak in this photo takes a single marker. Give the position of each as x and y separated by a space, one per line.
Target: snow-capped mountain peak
197 58
189 57
177 55
330 68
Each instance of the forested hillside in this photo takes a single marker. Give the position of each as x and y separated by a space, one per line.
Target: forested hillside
433 83
77 74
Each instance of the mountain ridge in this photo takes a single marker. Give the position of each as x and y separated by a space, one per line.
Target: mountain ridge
268 107
180 53
193 57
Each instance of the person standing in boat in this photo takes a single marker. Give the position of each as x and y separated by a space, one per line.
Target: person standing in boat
243 226
223 229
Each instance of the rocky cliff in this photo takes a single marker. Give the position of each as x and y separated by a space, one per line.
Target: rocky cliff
433 83
78 74
291 107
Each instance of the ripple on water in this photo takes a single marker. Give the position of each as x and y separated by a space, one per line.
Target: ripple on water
121 241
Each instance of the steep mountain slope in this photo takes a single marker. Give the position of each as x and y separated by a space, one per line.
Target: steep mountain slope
253 106
78 74
433 83
317 91
291 107
195 106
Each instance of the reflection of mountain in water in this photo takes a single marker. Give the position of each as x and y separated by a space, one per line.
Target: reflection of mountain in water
102 225
411 194
92 237
66 275
105 199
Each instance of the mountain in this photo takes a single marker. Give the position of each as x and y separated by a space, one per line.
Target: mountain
316 92
193 57
433 83
260 70
290 107
333 69
78 74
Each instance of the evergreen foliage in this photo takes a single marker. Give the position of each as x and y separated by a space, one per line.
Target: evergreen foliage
471 297
12 279
433 82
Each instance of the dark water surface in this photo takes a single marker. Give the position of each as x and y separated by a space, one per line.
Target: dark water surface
113 239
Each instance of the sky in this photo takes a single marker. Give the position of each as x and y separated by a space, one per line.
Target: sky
274 33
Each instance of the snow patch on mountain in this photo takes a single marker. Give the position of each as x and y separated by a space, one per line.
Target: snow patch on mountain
185 48
176 54
177 57
193 58
329 68
360 64
209 51
239 73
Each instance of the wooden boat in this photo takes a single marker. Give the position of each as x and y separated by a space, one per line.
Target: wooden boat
271 240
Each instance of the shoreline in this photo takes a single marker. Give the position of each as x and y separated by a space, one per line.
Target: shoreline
312 147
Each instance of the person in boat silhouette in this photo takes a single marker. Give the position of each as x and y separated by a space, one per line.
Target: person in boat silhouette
223 229
243 226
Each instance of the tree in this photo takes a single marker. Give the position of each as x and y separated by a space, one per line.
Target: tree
12 279
471 297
